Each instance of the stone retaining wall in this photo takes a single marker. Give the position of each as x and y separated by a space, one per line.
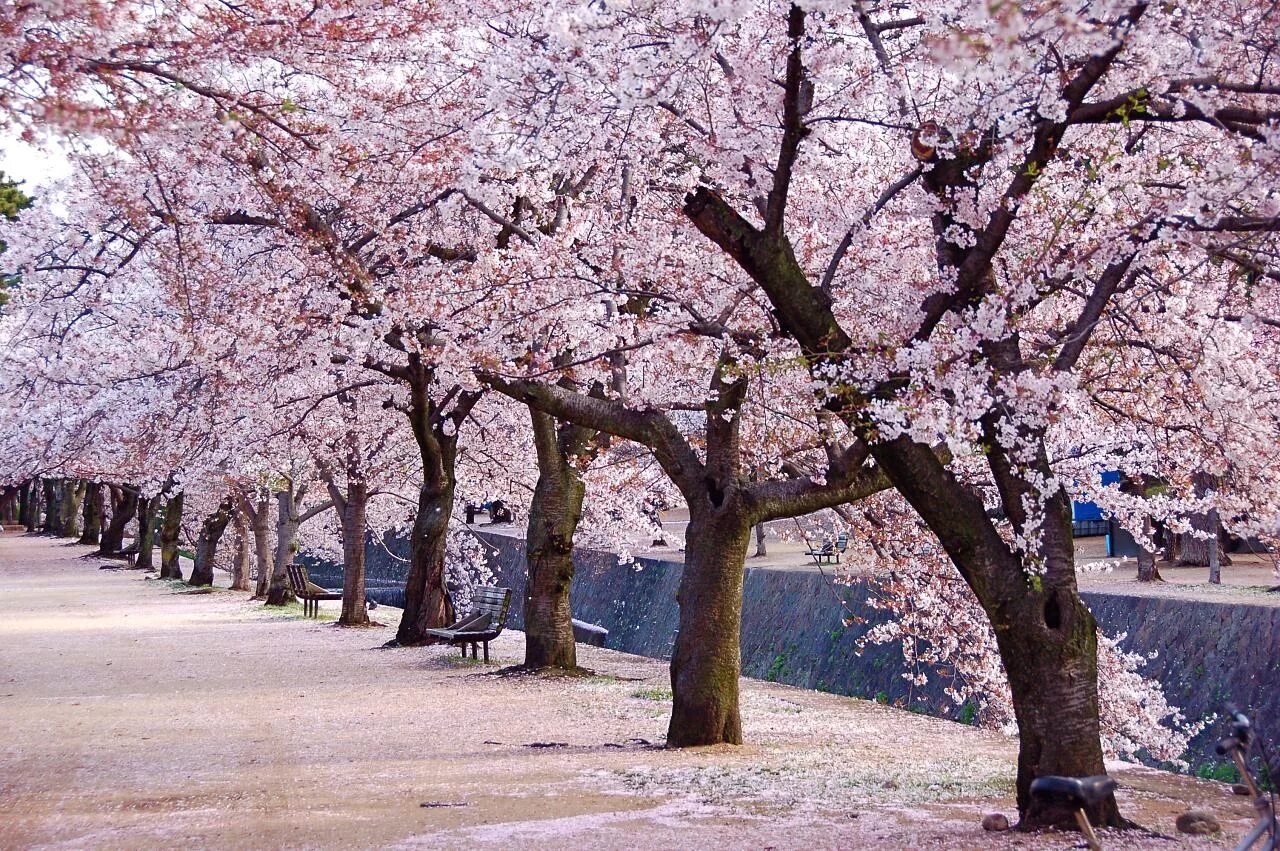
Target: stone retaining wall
793 632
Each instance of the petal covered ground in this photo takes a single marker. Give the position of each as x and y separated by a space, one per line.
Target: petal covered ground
135 714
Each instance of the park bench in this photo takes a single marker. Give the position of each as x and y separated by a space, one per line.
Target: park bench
308 592
130 553
830 550
485 621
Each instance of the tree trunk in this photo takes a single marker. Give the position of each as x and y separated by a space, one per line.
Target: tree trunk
553 518
242 562
29 505
146 532
124 502
260 525
351 512
52 506
9 505
92 530
1193 550
1046 636
1147 571
706 659
761 549
170 565
287 522
207 543
72 497
426 601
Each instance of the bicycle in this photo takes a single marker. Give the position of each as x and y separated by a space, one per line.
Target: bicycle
1083 792
1236 746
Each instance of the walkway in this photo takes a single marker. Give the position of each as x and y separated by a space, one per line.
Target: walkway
136 714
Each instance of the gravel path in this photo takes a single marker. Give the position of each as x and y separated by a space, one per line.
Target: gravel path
136 714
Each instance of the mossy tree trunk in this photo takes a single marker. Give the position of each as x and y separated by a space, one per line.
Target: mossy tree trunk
207 543
124 502
435 427
351 507
242 561
69 510
256 510
91 530
52 507
146 532
553 519
9 505
170 531
29 505
706 659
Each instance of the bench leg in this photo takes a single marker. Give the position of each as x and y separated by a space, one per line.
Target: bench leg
486 653
464 649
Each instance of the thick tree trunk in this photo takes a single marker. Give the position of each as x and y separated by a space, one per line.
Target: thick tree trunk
9 505
29 505
1147 571
170 565
72 497
52 506
207 543
92 514
146 532
260 525
287 522
553 518
706 659
426 601
242 561
351 511
1046 636
124 502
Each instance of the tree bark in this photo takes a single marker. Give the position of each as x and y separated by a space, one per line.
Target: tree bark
260 525
207 543
1147 570
146 532
170 530
124 502
9 505
1046 636
706 658
351 511
72 499
427 604
52 507
242 562
92 525
553 518
287 523
762 549
29 505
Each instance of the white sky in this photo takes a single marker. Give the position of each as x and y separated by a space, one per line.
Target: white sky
32 165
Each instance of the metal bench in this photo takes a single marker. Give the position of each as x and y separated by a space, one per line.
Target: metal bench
130 553
308 592
830 550
485 621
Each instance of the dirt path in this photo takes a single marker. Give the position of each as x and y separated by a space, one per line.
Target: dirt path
134 715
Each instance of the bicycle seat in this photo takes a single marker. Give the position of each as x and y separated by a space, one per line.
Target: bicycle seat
1085 791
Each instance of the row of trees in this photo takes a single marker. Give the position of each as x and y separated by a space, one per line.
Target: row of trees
934 268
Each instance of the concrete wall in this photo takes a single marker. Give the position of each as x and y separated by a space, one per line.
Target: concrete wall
793 632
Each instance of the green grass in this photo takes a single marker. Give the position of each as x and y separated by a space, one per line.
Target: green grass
661 694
